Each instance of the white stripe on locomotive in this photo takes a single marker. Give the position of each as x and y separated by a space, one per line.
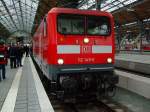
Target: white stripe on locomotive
68 49
75 49
101 49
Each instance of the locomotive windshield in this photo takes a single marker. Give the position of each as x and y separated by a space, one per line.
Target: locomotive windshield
70 24
75 24
98 25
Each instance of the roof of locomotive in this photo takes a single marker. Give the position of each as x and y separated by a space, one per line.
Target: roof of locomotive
79 11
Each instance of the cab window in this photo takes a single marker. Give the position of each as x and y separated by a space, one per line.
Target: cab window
70 24
98 25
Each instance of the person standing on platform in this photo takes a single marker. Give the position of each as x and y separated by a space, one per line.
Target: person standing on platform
3 60
12 55
27 50
19 55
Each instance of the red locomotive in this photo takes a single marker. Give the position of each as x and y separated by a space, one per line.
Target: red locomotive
75 51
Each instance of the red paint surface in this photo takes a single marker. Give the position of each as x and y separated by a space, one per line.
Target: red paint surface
46 47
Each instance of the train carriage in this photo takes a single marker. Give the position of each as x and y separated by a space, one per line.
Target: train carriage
75 51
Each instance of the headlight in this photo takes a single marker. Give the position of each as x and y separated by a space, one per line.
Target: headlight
86 40
60 61
109 60
1 56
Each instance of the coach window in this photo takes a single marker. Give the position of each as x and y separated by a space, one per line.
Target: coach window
98 25
70 24
45 27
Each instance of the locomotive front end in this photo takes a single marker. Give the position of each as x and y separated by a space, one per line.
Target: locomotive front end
85 40
85 53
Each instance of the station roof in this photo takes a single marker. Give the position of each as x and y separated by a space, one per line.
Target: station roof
139 10
25 15
126 12
18 15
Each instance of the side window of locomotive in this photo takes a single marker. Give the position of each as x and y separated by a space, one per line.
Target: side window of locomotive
45 27
70 24
98 25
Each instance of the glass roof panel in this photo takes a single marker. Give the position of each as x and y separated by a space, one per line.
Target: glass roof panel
16 14
107 5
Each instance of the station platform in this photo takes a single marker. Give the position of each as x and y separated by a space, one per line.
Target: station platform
134 62
132 101
22 90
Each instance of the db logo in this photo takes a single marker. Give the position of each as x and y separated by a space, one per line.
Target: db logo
86 49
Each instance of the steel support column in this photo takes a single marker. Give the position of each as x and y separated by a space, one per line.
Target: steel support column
98 4
118 35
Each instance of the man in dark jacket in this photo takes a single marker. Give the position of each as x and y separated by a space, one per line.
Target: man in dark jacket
19 55
12 55
27 50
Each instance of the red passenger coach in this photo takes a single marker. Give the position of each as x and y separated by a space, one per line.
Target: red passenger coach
75 51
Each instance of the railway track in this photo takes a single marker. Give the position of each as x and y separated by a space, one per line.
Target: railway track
80 107
104 105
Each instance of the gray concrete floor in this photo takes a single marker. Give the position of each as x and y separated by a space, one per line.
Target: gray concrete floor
27 99
133 101
6 83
